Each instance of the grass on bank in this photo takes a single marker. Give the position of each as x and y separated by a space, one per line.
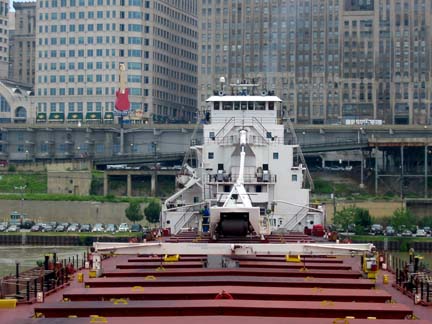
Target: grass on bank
35 182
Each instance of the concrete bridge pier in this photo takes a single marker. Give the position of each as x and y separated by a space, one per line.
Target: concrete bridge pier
153 184
129 185
105 184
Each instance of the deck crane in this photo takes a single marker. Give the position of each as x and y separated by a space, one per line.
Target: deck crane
237 216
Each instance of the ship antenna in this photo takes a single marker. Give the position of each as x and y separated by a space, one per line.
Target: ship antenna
222 82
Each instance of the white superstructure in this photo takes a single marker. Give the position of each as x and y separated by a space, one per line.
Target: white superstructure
244 155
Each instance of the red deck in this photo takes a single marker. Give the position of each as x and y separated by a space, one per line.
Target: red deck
217 320
234 307
237 292
265 289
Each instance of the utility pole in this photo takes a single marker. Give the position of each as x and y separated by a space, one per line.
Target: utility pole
21 189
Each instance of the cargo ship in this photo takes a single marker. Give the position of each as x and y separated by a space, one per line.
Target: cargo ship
248 173
235 248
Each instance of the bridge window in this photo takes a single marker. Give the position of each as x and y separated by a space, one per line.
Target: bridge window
271 105
294 177
250 105
227 106
216 105
244 105
260 106
275 156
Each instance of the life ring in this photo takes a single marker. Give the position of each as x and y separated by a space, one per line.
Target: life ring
224 295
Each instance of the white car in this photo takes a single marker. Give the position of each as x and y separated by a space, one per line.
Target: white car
124 227
420 233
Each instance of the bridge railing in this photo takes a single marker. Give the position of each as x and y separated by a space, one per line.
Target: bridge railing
324 146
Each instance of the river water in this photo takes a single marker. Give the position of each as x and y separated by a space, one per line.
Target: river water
27 256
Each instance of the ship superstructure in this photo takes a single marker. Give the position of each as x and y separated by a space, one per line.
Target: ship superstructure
247 174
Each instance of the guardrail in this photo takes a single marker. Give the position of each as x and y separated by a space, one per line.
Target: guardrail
334 146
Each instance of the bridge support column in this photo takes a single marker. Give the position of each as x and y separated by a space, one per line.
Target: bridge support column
105 184
153 184
361 169
376 170
129 185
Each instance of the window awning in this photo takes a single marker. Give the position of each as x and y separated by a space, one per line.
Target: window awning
56 117
109 115
41 116
75 116
93 116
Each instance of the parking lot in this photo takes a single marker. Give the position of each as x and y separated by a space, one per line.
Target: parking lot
63 227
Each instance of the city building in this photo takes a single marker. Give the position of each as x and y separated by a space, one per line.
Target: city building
331 61
4 39
81 43
22 43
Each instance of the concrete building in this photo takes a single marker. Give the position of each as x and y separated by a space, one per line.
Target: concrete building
22 44
331 61
4 39
80 44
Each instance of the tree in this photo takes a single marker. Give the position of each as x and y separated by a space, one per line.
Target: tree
134 212
345 217
402 218
152 211
362 220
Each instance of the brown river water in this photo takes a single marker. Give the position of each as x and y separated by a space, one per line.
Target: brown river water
27 256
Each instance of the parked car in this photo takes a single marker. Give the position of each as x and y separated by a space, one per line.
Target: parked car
136 228
98 228
377 229
73 228
111 228
124 227
27 224
13 228
48 228
3 226
390 231
85 228
36 228
420 233
60 228
53 224
406 233
427 230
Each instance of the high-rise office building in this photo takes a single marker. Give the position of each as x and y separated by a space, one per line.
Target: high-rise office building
22 43
81 43
4 36
331 61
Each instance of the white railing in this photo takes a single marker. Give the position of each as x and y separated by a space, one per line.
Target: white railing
185 219
292 222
